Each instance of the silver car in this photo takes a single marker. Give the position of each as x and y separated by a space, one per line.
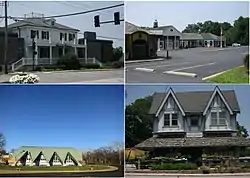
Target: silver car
235 44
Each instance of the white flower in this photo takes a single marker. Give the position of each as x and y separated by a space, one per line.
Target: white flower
22 79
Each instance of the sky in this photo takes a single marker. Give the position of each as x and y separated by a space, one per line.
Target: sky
181 13
83 22
134 92
80 116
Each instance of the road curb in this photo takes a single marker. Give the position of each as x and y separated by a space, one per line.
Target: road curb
187 175
181 73
219 73
148 60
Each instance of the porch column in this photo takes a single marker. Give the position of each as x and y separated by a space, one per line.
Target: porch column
36 56
63 50
50 54
76 52
86 50
175 42
50 37
158 44
167 47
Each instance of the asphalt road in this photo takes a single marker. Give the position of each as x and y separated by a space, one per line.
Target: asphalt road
200 61
74 77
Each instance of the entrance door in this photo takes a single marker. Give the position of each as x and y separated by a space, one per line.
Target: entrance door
140 49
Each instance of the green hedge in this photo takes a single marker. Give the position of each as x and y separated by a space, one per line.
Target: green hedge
91 66
177 166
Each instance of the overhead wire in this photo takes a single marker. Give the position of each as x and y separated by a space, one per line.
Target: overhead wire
77 13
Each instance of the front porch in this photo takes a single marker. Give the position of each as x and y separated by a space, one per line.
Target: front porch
51 54
196 150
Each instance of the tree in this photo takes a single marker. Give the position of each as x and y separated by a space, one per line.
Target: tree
241 130
139 123
2 143
238 33
117 53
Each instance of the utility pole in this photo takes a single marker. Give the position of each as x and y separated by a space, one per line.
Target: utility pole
6 39
221 37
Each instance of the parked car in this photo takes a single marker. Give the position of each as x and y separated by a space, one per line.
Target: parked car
235 44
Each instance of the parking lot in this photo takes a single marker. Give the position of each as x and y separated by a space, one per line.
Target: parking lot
187 65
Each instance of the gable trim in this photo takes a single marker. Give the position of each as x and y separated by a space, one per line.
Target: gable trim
217 91
170 91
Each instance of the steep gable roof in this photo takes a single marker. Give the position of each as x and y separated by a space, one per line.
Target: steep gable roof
201 99
40 22
169 93
47 152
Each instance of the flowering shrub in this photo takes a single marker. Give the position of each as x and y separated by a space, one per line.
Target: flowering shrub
24 78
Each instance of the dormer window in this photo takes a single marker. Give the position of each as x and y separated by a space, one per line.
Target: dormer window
170 119
218 118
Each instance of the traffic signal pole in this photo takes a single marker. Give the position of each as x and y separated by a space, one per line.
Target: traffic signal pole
5 68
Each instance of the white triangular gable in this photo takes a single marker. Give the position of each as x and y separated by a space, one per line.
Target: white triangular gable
219 93
169 93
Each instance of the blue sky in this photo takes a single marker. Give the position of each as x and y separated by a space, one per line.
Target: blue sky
80 116
182 13
134 92
83 22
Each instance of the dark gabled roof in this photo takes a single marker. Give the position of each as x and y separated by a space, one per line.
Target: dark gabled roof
40 22
191 36
157 142
131 28
209 36
195 101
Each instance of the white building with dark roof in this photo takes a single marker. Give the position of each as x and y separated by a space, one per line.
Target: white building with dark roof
52 40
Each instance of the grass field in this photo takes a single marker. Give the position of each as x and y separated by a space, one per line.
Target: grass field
54 168
236 75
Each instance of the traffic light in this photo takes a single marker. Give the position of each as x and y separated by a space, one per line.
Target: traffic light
97 21
117 18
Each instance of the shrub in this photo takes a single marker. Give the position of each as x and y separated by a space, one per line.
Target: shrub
205 170
24 79
91 66
246 62
177 166
118 64
70 62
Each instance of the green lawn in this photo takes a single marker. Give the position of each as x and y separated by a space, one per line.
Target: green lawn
236 75
54 168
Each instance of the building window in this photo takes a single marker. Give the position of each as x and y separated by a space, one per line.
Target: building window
71 37
33 33
65 36
222 118
213 118
61 36
166 119
45 35
194 121
218 118
174 119
171 119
